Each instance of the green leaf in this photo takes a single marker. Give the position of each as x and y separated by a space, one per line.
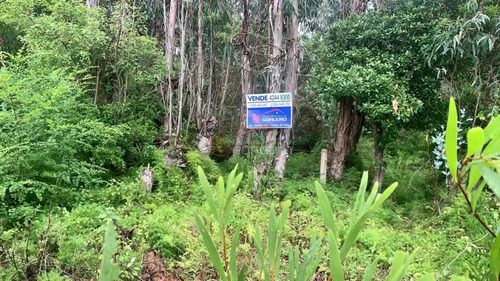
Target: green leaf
243 273
399 266
208 192
492 130
370 270
495 259
335 261
326 210
212 250
260 254
476 195
493 148
475 140
352 236
371 198
474 177
451 139
309 263
381 199
109 270
232 254
360 199
491 177
291 264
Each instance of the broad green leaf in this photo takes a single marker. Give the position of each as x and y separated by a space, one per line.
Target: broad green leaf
451 139
474 177
352 236
475 140
212 250
243 273
491 177
308 264
109 270
381 199
230 190
326 210
260 254
368 276
493 148
314 264
208 191
222 192
232 254
335 260
291 264
272 236
360 199
476 196
495 258
492 130
230 179
399 266
371 198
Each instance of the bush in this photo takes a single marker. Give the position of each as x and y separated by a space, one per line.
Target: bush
170 181
165 231
195 159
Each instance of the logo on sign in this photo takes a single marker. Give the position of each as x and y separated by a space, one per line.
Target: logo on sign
274 110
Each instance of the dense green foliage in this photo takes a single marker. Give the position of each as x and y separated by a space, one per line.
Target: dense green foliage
83 107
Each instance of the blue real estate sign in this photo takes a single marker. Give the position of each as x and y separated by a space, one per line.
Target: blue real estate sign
269 110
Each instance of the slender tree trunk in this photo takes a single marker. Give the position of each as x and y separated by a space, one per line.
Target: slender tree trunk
226 77
258 28
169 50
378 136
92 3
183 69
274 79
349 126
358 6
245 79
290 86
200 66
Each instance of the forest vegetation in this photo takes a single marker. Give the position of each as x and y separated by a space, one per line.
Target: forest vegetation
125 152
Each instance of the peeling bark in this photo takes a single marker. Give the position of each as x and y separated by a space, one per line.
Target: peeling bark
290 86
349 126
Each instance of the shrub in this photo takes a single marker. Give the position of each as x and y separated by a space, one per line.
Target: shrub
195 159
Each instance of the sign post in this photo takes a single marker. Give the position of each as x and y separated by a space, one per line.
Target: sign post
269 111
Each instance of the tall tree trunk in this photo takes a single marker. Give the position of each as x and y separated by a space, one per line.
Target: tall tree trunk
245 79
226 77
290 86
349 122
349 126
199 59
169 50
358 6
255 54
92 3
274 86
378 136
182 70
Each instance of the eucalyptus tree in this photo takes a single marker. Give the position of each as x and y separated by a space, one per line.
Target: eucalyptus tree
466 53
292 69
245 76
